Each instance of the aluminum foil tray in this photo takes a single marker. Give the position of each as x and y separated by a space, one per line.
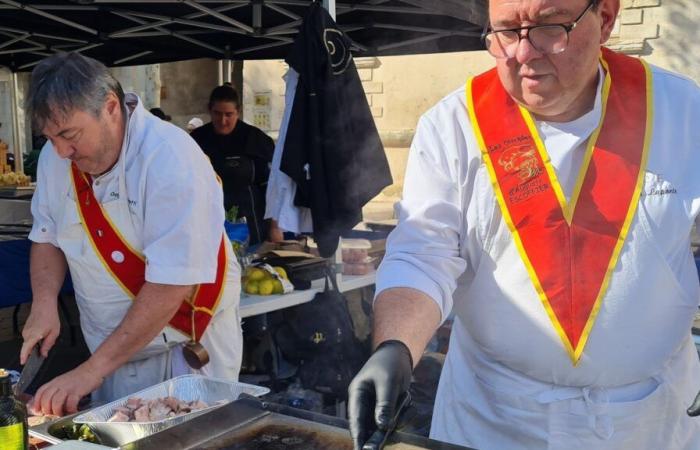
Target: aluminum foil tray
212 391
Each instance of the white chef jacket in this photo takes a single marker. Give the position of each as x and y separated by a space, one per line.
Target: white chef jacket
164 198
508 382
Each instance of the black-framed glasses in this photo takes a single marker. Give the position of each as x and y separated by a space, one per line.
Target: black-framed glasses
548 39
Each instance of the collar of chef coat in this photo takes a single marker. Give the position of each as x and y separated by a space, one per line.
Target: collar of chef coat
134 113
134 116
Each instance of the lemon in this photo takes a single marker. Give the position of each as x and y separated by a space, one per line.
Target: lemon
265 287
278 289
256 274
251 287
281 272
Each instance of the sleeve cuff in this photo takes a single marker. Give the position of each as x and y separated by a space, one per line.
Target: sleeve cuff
399 274
42 234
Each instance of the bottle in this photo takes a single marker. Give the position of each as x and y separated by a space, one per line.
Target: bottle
296 396
13 417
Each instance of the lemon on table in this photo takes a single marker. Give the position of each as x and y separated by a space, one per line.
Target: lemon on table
265 287
251 287
281 272
255 274
278 289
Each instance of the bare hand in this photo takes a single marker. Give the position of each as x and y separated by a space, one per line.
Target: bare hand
61 395
276 234
43 325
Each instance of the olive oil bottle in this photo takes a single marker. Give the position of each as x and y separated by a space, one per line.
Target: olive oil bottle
13 417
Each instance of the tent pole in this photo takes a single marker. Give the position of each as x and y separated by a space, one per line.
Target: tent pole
338 256
221 72
17 138
330 6
228 68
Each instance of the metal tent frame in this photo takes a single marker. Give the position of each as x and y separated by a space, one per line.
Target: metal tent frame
133 32
137 32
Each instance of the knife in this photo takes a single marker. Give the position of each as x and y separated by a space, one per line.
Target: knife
378 439
29 371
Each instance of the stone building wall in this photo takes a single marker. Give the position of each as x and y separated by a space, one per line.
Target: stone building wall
661 31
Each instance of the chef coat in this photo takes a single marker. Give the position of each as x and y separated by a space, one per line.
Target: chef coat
163 197
508 381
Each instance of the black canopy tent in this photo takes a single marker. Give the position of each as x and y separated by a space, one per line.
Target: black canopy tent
134 32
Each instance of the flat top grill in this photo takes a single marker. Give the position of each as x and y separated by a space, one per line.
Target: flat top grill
251 425
275 432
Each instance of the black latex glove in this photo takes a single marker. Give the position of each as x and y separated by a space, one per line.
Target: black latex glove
694 409
374 392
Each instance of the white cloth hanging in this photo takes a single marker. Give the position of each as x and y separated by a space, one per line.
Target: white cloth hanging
280 188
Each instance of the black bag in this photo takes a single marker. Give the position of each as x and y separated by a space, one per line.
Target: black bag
319 337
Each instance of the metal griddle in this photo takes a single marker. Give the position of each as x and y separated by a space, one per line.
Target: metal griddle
249 424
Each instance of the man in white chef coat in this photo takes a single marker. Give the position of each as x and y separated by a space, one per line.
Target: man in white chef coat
549 205
133 208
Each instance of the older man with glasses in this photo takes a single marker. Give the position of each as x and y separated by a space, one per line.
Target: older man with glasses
548 204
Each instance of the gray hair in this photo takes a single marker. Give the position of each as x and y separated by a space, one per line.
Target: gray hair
67 82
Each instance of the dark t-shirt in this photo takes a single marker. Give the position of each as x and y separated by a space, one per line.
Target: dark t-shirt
241 159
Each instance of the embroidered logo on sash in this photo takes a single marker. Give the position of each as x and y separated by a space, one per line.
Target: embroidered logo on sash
521 159
569 249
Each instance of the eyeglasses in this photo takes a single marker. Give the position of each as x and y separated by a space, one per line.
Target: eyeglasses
548 39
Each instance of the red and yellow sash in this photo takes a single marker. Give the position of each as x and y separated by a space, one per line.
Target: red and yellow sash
569 249
128 267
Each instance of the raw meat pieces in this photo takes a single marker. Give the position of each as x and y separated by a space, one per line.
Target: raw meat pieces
142 410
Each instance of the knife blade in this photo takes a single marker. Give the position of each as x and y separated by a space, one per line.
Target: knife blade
29 371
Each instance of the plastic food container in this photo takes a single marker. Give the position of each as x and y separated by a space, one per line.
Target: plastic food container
361 268
212 391
355 251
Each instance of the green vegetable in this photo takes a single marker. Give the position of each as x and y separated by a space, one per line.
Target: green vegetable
86 434
232 214
80 432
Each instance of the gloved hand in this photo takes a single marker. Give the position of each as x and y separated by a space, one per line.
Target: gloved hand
375 390
694 409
